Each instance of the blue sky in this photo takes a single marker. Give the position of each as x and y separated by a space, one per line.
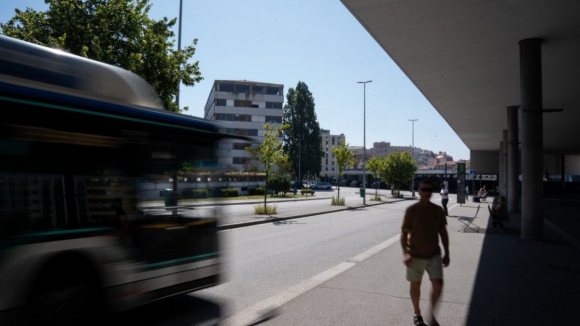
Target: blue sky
317 42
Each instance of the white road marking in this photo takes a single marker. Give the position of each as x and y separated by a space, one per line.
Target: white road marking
254 313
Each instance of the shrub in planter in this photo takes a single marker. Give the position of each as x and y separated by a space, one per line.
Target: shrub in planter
336 201
230 192
270 209
255 191
194 193
307 191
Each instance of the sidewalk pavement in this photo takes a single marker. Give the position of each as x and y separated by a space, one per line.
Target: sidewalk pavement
493 279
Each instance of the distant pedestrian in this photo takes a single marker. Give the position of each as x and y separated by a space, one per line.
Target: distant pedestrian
444 199
466 193
422 225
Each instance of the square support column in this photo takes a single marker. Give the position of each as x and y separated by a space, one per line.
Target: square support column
532 138
513 158
504 166
563 172
500 167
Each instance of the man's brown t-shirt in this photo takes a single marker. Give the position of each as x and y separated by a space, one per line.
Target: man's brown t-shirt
424 223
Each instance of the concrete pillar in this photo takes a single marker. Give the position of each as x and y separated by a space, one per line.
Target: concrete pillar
563 172
513 158
504 166
500 168
532 138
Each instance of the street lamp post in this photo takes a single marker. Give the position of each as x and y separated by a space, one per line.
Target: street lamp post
364 137
179 47
413 155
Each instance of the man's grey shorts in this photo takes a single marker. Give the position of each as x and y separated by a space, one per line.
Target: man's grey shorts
432 265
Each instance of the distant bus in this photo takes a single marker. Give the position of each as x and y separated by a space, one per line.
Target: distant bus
79 139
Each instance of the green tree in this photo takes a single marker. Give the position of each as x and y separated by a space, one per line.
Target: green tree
285 169
116 32
302 141
279 183
344 158
399 168
270 152
375 166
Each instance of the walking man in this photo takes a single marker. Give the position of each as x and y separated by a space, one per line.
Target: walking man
444 199
420 230
466 193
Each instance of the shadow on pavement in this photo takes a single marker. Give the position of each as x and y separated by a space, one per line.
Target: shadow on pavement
180 310
525 282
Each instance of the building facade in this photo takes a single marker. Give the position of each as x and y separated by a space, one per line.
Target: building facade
241 108
329 169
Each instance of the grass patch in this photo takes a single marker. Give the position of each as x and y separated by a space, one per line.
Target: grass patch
337 201
376 198
270 209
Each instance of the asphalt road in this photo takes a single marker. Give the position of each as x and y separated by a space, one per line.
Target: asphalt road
267 259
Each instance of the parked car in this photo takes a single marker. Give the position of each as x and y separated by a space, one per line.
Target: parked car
322 185
298 185
378 185
344 182
354 184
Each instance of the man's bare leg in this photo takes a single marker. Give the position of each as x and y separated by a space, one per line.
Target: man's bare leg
415 297
435 295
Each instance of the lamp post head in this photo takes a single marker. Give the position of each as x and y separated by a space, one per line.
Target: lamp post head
364 82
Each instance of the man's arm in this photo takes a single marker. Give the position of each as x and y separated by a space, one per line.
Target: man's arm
445 241
405 246
404 237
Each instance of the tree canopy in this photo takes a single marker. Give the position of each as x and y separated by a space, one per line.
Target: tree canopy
116 32
302 141
398 168
344 158
375 166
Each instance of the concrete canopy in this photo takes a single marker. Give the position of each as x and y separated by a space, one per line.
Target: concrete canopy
464 57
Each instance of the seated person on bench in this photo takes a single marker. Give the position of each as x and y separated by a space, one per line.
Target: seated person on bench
483 196
499 213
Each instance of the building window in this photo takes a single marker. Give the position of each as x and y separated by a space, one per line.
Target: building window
273 91
241 145
258 89
327 169
242 160
326 161
242 132
220 102
242 88
273 105
226 87
243 104
273 119
332 140
233 117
